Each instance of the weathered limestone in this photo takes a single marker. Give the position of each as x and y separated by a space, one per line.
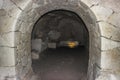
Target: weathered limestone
114 5
101 13
7 56
91 3
109 31
17 18
108 4
6 39
110 59
23 55
21 4
106 75
10 71
108 44
8 13
114 20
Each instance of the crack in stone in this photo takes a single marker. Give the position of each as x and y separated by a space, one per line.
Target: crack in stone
110 38
7 46
16 5
107 23
100 21
112 25
8 32
94 5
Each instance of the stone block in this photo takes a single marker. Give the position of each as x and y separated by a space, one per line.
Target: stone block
8 14
7 39
52 45
106 75
7 56
110 60
37 45
21 3
114 20
91 2
101 13
107 44
5 22
35 55
109 31
12 9
114 5
25 27
7 73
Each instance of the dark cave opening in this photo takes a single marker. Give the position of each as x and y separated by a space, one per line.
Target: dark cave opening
53 57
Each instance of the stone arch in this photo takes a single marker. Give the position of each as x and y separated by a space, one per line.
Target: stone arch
30 15
27 13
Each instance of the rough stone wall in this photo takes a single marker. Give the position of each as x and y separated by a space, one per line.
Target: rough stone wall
101 17
59 26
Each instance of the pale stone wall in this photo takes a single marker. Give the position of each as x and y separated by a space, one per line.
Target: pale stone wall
101 17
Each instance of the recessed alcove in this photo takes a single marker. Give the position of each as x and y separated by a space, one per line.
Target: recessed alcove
55 58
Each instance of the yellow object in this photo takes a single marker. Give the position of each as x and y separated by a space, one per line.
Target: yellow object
71 44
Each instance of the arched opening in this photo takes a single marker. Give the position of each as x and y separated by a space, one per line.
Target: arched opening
60 43
27 20
19 17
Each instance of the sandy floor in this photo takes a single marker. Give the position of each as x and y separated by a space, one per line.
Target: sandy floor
62 64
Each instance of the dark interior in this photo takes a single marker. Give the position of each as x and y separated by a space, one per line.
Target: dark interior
61 62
